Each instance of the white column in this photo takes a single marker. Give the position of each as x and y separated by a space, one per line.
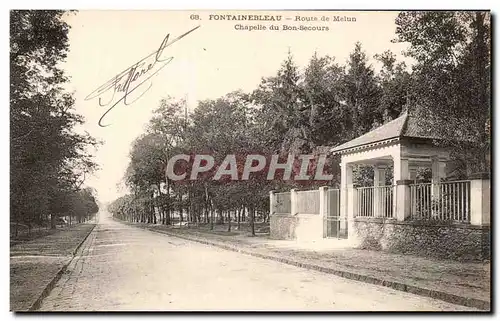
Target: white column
272 202
347 200
323 207
480 201
401 180
378 180
401 169
293 201
413 177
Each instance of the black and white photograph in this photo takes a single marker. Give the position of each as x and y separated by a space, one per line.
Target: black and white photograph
250 160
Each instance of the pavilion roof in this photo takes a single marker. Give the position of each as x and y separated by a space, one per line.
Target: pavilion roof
405 126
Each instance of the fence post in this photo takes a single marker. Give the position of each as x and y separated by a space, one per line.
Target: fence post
323 207
480 199
378 180
413 198
272 202
293 202
402 199
347 201
352 202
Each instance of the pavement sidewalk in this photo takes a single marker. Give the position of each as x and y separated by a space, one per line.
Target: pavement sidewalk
36 265
464 283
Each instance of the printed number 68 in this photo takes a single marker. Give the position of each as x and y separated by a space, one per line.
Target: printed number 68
194 17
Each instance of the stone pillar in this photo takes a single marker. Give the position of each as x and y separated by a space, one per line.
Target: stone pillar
378 180
401 204
401 169
345 184
480 200
349 221
413 179
272 203
402 199
347 200
323 207
293 202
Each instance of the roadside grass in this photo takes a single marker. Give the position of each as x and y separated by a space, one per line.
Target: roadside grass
261 228
29 277
36 262
24 234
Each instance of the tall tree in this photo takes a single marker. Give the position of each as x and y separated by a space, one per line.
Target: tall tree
49 160
281 100
361 93
452 77
324 110
395 82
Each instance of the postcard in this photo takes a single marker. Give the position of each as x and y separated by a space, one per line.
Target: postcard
250 160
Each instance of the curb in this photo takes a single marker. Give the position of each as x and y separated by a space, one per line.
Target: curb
434 294
36 305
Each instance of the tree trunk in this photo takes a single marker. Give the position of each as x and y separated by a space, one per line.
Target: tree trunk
229 221
154 213
181 215
52 221
197 214
39 221
189 207
252 220
207 205
212 217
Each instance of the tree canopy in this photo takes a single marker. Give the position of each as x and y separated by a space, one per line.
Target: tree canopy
49 159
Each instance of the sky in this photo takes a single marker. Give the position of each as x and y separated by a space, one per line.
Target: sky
210 62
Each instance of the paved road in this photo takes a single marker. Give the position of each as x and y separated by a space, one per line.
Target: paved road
125 268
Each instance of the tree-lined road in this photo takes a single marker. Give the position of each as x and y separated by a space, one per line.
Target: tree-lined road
124 268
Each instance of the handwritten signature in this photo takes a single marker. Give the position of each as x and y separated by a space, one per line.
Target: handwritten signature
133 78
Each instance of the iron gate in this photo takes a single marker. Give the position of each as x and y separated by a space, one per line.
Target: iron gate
335 224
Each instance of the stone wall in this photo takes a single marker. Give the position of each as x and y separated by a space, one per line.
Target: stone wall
283 226
309 227
301 227
446 241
